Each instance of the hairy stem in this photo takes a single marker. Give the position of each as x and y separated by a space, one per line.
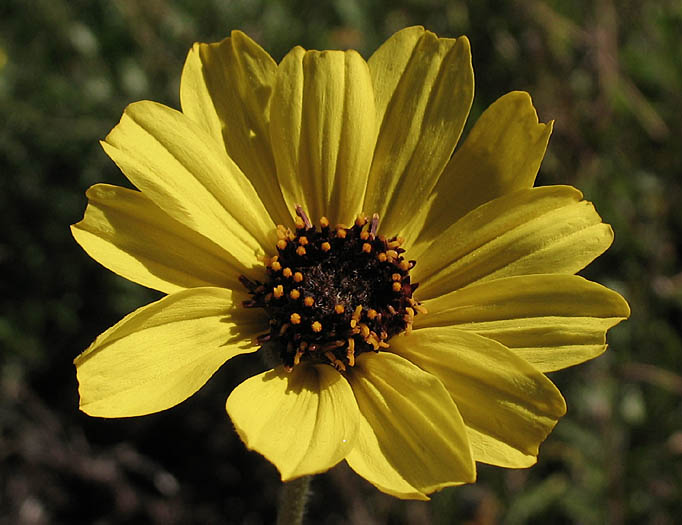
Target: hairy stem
292 500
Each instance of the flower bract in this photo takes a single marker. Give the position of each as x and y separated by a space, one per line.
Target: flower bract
411 293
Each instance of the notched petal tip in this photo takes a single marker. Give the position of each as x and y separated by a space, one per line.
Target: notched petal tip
464 42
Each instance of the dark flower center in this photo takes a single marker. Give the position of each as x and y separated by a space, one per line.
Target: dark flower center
333 293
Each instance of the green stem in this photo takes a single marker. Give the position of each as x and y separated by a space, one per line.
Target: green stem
292 500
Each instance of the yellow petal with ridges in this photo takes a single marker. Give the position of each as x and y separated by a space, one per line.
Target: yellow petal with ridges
538 230
388 63
322 131
196 99
124 231
498 393
552 321
502 154
304 422
187 174
164 352
424 87
368 460
487 449
419 437
226 89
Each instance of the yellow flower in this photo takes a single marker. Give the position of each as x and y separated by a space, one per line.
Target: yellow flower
411 386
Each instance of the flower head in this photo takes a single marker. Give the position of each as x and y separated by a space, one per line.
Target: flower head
412 299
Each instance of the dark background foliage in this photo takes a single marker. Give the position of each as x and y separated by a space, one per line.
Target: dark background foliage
609 73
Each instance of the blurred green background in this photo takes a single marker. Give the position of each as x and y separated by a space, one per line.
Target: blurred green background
609 73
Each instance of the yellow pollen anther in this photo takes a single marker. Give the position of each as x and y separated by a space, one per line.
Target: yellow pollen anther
341 233
350 353
404 266
326 246
357 313
295 318
366 247
298 277
382 257
394 244
276 266
300 251
383 344
281 244
303 240
364 235
371 314
360 221
278 291
410 312
316 326
294 294
297 357
308 301
397 287
324 222
299 223
339 309
364 330
353 322
373 341
287 272
392 253
396 277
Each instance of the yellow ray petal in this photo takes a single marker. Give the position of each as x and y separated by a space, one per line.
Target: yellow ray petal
322 131
186 174
424 87
538 230
162 353
225 89
552 321
304 422
369 461
490 450
196 99
127 233
498 393
502 154
419 443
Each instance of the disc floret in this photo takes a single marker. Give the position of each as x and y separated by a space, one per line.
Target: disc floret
332 293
